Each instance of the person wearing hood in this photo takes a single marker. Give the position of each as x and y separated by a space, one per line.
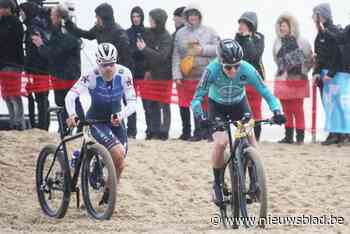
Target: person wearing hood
327 54
156 47
106 30
11 61
294 59
137 30
253 45
35 64
194 48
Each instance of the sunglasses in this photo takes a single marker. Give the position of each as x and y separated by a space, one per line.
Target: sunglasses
229 67
104 65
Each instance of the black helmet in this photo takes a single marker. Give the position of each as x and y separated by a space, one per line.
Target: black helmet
229 51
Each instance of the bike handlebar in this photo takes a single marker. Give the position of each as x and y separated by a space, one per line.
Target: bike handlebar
90 122
222 124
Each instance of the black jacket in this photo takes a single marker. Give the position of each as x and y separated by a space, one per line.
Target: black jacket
342 39
63 54
253 48
34 63
133 33
327 51
112 33
158 48
11 38
34 23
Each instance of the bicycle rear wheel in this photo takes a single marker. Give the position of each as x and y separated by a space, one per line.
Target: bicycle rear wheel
252 186
98 182
53 192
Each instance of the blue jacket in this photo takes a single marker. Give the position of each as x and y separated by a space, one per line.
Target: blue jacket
226 91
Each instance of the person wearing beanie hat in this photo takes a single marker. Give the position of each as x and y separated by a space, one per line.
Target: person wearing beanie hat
324 10
156 47
178 18
325 48
185 113
179 11
106 30
327 55
253 45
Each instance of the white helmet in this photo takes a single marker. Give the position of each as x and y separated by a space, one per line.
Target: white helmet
106 53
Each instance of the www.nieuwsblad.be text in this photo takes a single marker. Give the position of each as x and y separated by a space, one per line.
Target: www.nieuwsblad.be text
275 220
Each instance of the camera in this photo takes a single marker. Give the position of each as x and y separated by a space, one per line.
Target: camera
139 36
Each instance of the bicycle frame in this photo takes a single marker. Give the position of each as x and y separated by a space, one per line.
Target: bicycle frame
72 179
239 143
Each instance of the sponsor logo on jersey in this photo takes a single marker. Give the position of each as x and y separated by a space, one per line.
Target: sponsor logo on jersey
129 81
85 79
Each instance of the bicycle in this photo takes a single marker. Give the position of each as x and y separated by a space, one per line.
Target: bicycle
55 185
245 187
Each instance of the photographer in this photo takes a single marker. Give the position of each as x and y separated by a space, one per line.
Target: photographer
35 65
62 52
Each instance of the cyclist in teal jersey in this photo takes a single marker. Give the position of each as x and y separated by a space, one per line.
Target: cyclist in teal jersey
224 82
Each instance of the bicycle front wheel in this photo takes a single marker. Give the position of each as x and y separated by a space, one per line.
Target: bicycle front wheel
52 186
98 182
253 192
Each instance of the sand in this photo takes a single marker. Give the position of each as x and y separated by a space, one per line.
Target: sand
166 188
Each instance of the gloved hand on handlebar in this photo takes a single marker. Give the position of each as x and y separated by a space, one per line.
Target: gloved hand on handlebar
279 118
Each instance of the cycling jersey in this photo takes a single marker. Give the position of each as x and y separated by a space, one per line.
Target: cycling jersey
105 96
227 91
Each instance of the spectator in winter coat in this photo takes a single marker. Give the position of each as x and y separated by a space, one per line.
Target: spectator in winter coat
106 30
178 18
137 30
179 22
11 63
327 54
156 47
62 52
194 47
35 64
342 39
253 45
294 58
